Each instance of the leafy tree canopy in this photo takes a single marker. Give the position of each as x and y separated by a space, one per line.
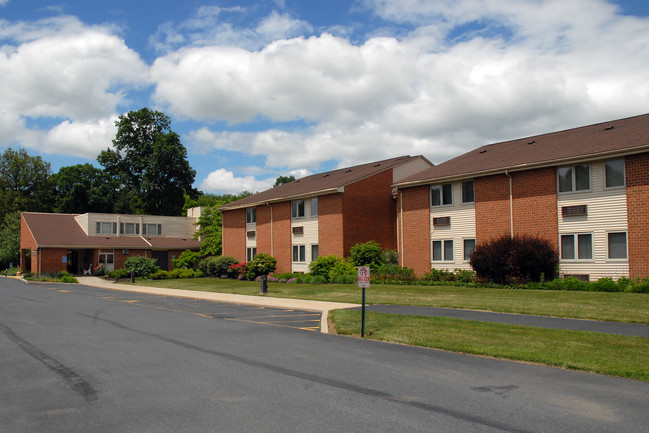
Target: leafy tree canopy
150 164
283 179
10 240
84 188
25 183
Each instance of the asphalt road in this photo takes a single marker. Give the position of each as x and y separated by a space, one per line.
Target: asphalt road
80 359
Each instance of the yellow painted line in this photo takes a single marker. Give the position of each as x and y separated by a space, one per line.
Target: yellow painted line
285 315
63 291
267 323
134 301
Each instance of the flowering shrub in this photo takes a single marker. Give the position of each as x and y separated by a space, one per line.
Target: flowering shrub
237 270
99 270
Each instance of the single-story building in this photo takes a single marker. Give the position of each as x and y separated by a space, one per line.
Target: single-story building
322 214
585 190
51 242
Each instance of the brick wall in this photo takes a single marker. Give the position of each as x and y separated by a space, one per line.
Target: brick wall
535 204
262 237
51 260
637 195
415 235
330 225
282 247
369 212
491 207
234 234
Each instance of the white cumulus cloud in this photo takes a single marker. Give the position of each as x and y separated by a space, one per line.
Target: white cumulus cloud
223 181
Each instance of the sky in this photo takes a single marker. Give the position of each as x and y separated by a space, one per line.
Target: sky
259 89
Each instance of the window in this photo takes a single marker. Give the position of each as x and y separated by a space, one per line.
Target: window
617 245
251 215
614 173
577 246
299 253
469 248
314 252
105 228
152 229
441 195
129 228
443 251
251 253
468 194
314 206
297 209
574 178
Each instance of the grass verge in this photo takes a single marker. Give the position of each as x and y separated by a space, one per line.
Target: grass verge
619 307
608 354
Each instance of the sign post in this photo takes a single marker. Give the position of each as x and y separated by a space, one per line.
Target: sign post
363 279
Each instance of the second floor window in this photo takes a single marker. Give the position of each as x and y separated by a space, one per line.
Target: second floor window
574 178
152 229
614 173
106 228
251 215
297 209
441 195
468 194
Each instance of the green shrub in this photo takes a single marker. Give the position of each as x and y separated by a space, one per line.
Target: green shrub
119 273
198 273
515 259
604 285
317 279
141 266
639 287
159 275
342 269
568 283
261 264
304 278
216 266
286 276
366 254
187 259
343 279
68 278
390 257
393 273
323 265
186 273
436 275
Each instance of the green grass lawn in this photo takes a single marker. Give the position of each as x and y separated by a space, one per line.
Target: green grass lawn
620 307
587 351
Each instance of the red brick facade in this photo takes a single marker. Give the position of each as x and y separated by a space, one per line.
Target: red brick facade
492 207
637 195
282 249
233 237
535 204
414 250
369 212
330 225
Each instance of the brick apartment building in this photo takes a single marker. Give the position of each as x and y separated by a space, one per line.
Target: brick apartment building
321 214
71 242
586 190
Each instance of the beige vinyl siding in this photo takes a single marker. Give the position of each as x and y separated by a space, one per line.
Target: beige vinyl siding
309 237
171 226
408 169
462 227
606 213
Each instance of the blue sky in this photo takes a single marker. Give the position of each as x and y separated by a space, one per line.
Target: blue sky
258 89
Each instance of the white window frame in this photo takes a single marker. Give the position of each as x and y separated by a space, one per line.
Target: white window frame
295 209
464 249
575 247
251 252
466 182
317 251
626 245
124 231
573 178
146 229
606 185
443 243
445 198
251 215
299 251
106 228
314 205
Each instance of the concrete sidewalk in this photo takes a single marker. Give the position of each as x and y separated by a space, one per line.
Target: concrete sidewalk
264 301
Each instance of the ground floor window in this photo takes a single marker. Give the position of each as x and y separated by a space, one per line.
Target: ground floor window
299 253
314 252
469 248
251 252
577 246
617 248
443 251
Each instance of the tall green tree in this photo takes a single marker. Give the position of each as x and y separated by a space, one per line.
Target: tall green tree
25 183
150 164
10 240
282 180
84 188
210 223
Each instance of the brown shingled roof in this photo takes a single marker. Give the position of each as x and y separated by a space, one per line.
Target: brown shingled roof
51 230
321 183
606 139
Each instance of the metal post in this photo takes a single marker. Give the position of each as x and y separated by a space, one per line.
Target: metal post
132 277
363 316
264 284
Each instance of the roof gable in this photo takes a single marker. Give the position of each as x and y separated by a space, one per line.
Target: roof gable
616 137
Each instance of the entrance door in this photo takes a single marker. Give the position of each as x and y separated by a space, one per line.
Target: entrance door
163 259
107 258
